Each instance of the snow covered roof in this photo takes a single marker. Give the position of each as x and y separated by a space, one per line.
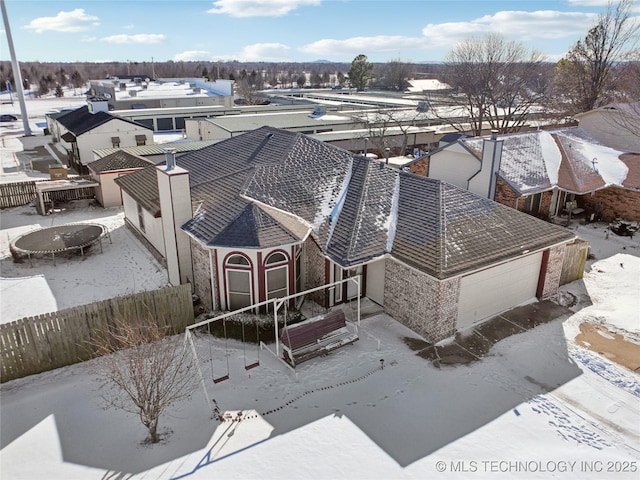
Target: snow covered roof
569 158
422 85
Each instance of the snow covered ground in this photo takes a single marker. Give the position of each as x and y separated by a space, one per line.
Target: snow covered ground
537 406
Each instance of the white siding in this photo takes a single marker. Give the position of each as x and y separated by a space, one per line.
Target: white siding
100 137
453 165
492 291
152 226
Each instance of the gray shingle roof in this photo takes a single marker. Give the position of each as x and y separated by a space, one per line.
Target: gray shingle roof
362 229
356 209
119 160
81 120
444 230
143 188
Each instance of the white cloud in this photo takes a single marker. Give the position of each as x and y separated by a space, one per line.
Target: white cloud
145 38
259 8
541 24
86 39
589 3
193 56
357 45
265 52
68 22
128 27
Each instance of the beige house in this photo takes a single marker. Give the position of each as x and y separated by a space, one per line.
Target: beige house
107 169
616 125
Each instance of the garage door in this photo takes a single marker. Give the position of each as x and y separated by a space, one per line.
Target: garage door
492 291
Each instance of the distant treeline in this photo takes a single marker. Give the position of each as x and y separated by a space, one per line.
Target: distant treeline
48 76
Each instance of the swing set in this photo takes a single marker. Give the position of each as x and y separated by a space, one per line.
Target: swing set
275 305
247 366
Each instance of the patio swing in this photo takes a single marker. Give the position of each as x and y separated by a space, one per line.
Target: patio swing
244 348
226 354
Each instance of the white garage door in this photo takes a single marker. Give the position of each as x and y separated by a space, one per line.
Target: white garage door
492 291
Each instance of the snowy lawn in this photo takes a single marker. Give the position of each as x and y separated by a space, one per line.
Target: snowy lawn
537 402
122 267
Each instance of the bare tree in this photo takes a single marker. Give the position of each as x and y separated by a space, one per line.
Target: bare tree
396 75
143 371
585 76
390 129
248 92
495 81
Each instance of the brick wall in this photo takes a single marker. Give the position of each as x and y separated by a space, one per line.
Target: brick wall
554 272
423 304
612 202
421 167
201 276
313 260
505 194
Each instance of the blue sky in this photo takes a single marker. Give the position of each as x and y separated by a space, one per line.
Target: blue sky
284 30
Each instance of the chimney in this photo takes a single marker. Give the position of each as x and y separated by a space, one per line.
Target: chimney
492 157
483 182
175 206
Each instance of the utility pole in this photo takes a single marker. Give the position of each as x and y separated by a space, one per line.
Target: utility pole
17 76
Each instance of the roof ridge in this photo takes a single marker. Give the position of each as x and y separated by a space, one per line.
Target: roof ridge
361 199
442 239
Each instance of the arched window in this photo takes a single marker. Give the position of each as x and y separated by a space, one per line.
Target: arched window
276 258
277 275
238 274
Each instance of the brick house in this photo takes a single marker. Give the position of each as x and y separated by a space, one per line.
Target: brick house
271 213
542 173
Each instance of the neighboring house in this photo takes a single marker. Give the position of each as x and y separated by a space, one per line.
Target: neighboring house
107 169
271 213
616 125
541 172
88 128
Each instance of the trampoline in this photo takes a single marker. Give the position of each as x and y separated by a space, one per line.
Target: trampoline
60 239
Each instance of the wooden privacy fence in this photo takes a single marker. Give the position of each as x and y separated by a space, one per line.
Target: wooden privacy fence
21 193
53 340
575 259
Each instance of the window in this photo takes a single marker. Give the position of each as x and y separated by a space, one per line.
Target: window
237 260
337 275
141 140
140 217
298 269
277 275
115 142
238 271
532 203
276 258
